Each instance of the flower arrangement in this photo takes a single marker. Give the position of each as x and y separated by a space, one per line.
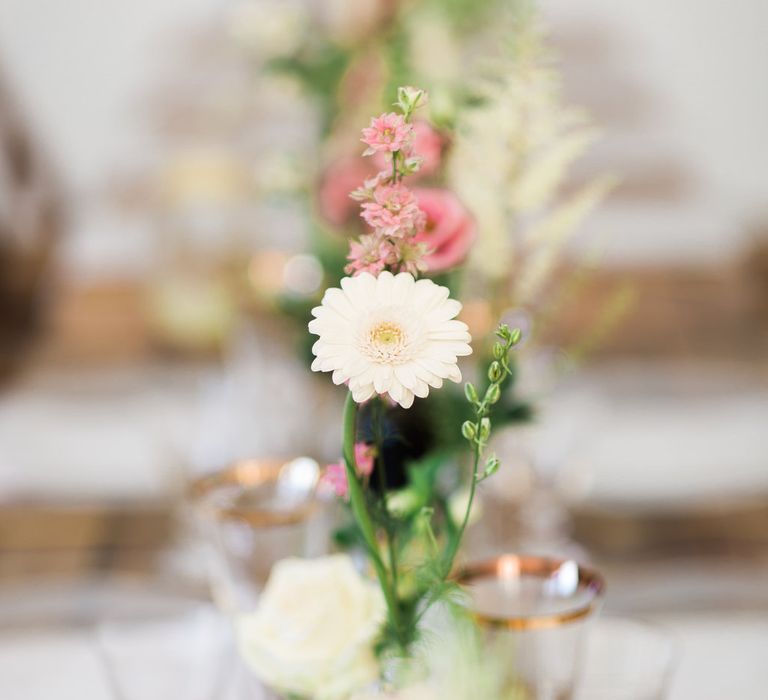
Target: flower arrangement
477 208
457 198
414 225
391 337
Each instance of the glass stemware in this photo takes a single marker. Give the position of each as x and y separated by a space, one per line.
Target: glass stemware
253 514
535 612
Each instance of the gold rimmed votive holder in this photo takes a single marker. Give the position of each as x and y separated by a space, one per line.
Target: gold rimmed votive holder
253 513
534 613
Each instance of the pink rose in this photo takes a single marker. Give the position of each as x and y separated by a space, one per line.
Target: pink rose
450 230
428 144
337 182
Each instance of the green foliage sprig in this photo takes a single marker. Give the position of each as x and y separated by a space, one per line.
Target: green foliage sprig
478 430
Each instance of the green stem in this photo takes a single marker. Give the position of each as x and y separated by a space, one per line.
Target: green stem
453 547
378 441
381 469
393 562
360 511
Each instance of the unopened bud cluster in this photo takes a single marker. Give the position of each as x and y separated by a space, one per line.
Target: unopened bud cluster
478 430
409 99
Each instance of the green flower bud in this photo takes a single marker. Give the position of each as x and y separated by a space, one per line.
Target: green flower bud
485 429
409 98
495 372
403 502
503 331
469 430
493 394
411 165
514 336
470 392
492 466
498 350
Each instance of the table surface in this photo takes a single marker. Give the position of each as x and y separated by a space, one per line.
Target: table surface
724 657
723 653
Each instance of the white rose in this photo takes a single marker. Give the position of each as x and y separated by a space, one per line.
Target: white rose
312 633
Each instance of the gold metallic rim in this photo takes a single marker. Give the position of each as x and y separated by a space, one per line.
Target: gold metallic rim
532 566
248 473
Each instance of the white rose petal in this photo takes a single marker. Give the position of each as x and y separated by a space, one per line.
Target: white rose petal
313 631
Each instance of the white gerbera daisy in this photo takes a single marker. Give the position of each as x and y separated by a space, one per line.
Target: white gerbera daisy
389 335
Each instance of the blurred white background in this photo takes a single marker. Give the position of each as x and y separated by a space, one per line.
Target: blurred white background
693 73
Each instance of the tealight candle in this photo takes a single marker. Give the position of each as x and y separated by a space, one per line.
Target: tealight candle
534 611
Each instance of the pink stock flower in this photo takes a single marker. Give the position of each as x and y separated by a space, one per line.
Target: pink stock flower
411 257
364 455
394 211
449 231
334 479
335 475
337 181
427 144
371 254
389 132
361 194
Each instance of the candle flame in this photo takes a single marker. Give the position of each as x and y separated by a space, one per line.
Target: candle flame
508 568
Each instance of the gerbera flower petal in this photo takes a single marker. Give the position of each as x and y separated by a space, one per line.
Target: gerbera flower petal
406 400
433 366
362 394
401 288
389 335
421 389
382 378
406 376
338 301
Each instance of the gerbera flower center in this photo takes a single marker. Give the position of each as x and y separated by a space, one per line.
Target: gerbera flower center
387 334
385 341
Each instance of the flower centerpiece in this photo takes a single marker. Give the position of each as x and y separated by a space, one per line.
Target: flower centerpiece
391 337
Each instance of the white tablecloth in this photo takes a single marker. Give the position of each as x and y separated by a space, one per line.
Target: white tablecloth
723 656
